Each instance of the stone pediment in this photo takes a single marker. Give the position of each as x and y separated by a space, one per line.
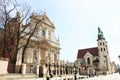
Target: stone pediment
44 18
88 54
47 20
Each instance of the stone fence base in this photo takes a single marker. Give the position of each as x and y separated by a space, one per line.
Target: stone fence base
3 65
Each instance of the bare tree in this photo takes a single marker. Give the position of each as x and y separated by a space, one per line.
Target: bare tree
15 29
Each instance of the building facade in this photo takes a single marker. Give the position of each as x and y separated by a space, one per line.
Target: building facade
42 55
96 59
43 49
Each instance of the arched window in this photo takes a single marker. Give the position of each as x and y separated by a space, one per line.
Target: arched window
101 49
103 43
49 35
104 49
43 33
88 60
35 56
12 29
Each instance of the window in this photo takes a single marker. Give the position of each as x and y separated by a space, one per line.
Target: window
12 41
43 33
12 29
35 56
100 44
104 49
49 35
88 60
104 61
101 49
82 61
103 43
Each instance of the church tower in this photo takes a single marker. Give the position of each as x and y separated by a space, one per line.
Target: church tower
104 60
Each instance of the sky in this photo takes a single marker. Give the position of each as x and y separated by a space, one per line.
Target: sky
77 21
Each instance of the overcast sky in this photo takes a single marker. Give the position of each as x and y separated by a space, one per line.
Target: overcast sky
76 23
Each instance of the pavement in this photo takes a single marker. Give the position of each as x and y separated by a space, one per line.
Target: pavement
115 76
16 76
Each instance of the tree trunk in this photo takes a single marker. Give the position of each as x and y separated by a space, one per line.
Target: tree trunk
14 65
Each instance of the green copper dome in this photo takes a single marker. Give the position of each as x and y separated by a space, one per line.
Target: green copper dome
100 34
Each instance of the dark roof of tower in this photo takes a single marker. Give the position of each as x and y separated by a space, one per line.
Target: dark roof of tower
93 51
13 20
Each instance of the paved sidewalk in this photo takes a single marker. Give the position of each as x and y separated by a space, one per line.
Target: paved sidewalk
35 77
16 76
115 76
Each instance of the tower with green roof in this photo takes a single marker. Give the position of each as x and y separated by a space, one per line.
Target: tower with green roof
104 60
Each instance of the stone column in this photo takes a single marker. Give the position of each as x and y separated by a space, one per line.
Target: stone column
37 69
62 70
56 70
24 68
44 70
68 70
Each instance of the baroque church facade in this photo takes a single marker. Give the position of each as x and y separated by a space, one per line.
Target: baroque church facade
43 50
96 59
42 55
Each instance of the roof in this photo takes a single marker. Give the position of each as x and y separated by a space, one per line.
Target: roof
82 52
13 20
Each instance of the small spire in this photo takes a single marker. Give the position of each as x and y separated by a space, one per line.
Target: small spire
44 13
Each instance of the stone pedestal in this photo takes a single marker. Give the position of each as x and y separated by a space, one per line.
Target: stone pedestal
3 66
37 69
23 68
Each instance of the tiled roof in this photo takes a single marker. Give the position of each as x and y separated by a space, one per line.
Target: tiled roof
82 52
